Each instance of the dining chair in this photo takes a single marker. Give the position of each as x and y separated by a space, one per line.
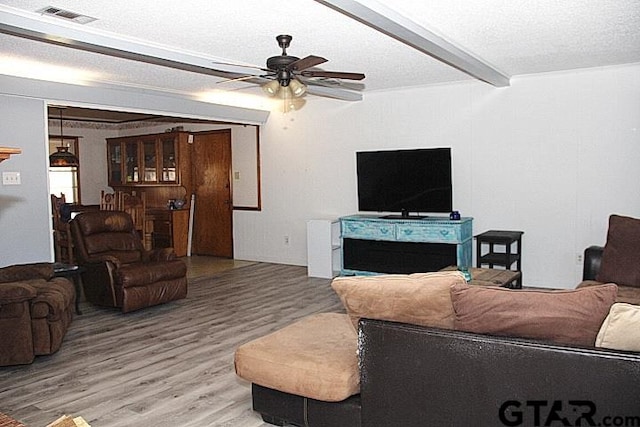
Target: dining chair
61 232
135 205
109 201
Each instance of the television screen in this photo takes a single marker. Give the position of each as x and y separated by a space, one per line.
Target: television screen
405 181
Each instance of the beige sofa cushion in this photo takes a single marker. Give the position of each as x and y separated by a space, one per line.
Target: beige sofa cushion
315 357
621 329
419 298
563 316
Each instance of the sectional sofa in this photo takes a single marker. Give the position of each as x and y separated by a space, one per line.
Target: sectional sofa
429 349
509 358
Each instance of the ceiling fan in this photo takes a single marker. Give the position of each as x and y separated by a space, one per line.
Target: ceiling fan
289 76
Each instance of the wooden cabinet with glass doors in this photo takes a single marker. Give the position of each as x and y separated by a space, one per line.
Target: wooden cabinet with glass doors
157 159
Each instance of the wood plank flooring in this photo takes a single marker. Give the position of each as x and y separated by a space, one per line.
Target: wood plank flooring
170 365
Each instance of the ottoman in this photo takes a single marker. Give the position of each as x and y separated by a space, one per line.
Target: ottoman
306 373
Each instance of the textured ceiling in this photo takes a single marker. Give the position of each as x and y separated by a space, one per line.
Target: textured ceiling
515 36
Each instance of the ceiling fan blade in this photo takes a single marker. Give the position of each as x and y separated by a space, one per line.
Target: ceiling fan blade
255 67
340 84
332 74
242 78
306 62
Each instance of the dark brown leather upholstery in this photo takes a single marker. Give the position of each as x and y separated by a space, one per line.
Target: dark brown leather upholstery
119 272
417 376
592 261
279 408
36 310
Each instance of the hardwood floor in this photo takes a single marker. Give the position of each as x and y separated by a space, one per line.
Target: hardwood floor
198 266
169 365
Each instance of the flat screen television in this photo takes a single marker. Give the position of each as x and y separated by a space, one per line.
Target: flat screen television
405 181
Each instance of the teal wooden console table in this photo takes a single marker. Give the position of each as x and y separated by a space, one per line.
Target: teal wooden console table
374 245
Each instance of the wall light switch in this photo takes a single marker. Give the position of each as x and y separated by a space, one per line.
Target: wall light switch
236 175
10 178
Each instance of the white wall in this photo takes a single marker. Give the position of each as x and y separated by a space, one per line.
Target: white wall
552 155
93 162
566 148
25 218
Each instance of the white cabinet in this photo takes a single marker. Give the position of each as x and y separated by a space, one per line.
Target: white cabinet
323 248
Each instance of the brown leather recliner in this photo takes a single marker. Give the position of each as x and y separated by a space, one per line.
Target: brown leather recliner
36 309
118 271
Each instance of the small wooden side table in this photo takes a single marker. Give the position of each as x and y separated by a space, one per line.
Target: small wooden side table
73 272
504 258
492 277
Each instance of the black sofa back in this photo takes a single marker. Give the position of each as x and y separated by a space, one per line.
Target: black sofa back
417 376
592 261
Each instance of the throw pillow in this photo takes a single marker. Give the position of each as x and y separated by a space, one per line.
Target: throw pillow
621 255
564 316
621 329
419 298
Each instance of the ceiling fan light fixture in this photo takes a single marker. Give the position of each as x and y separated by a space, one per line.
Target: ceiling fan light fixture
286 70
292 89
271 88
297 88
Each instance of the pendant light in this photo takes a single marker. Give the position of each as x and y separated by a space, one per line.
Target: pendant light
62 157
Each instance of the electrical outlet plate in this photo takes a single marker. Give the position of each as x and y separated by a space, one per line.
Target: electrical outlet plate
10 178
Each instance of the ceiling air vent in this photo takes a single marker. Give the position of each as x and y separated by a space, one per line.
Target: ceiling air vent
65 14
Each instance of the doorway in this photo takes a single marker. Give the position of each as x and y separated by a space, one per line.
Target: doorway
213 208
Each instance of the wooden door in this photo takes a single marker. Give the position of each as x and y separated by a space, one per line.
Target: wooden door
213 213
